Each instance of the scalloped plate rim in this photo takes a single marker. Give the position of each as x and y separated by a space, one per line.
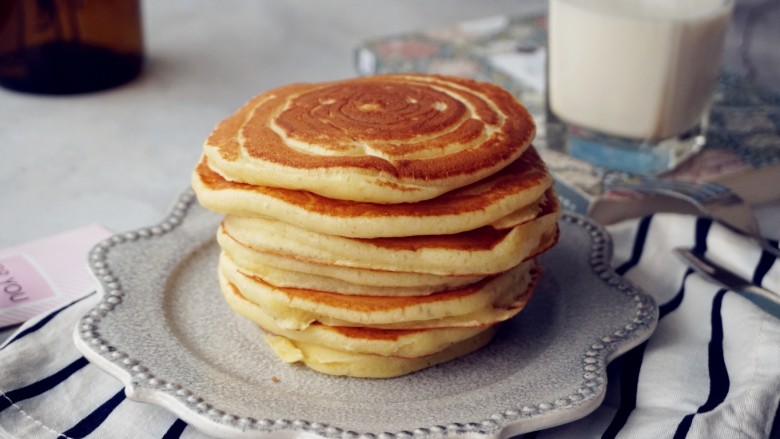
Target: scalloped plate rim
233 427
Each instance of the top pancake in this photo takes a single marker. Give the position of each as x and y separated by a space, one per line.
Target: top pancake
380 139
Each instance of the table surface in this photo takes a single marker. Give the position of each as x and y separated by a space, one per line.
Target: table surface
120 157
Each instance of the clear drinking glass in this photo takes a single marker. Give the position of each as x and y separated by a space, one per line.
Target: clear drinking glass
630 82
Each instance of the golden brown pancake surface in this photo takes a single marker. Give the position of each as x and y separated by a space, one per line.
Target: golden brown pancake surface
481 251
485 303
518 185
408 343
406 137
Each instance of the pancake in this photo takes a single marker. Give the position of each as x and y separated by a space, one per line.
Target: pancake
486 302
378 225
336 362
517 188
381 139
307 281
481 251
259 262
405 343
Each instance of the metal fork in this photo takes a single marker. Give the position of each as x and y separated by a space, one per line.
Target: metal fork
707 268
712 200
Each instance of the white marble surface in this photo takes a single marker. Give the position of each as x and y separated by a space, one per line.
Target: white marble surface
119 158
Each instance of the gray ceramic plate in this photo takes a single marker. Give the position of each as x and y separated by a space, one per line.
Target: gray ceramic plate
163 330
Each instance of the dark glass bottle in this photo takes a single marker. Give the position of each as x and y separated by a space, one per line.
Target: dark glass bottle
69 46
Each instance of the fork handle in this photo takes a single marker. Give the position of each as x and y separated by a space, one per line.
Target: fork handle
762 292
765 299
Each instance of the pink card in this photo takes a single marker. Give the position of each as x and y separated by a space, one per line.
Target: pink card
45 274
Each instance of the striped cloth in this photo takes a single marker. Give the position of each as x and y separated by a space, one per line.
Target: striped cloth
711 369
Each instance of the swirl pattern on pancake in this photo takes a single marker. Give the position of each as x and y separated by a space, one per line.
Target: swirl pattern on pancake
382 139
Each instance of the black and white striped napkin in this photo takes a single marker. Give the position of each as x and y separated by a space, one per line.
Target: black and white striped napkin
710 370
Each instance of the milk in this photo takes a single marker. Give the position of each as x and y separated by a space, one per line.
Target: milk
642 69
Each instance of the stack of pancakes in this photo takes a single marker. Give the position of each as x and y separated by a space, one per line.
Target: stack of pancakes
380 225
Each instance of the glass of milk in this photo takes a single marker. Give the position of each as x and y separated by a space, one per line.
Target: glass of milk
630 81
